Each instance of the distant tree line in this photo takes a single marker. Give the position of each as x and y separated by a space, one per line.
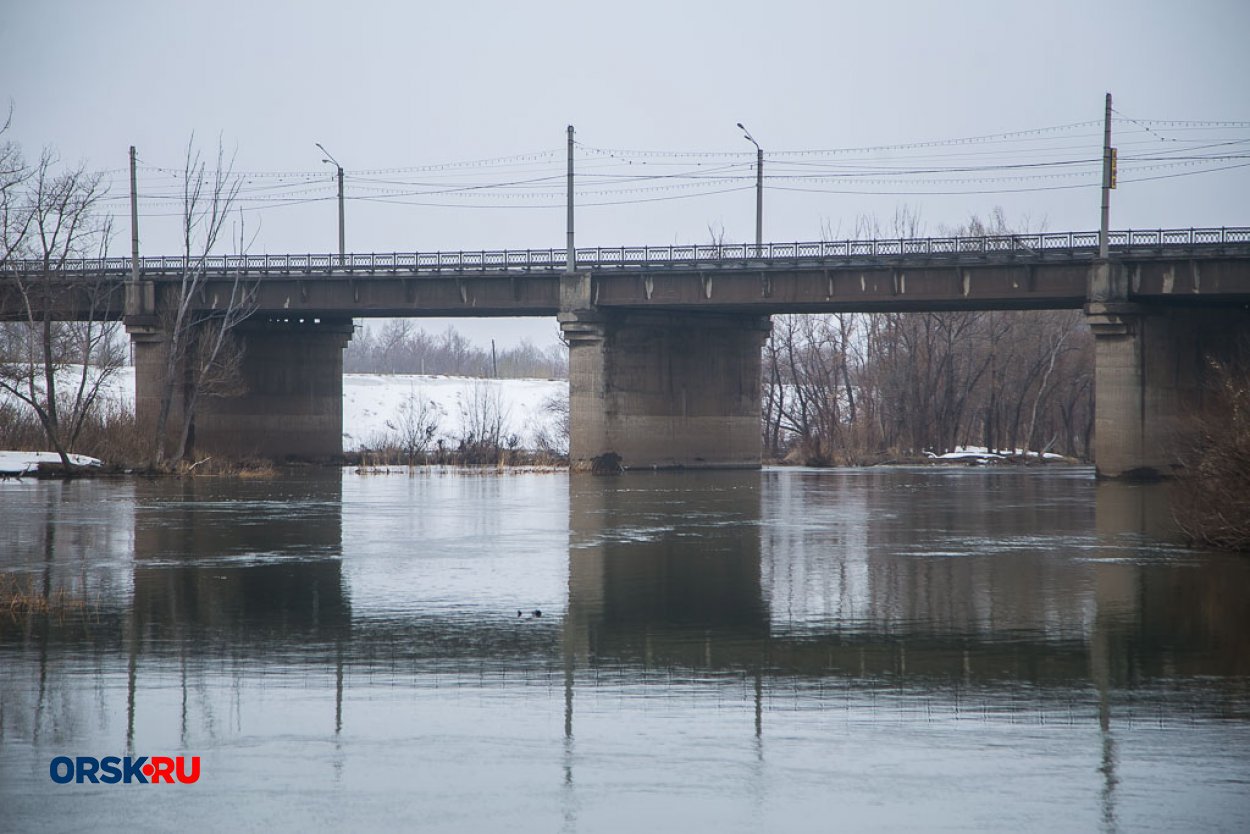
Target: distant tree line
400 347
853 388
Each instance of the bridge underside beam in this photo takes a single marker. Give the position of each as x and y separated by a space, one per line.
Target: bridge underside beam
824 289
664 390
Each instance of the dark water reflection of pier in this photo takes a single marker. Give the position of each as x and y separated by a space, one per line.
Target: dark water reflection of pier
925 595
988 579
882 574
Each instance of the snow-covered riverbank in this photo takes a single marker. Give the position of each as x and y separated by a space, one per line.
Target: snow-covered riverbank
24 463
373 404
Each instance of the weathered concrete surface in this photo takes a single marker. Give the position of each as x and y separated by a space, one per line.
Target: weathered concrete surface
148 351
292 406
665 390
1119 415
1151 369
291 399
1019 279
841 289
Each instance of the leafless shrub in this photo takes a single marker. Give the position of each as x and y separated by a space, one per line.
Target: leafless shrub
551 435
108 431
113 435
415 427
484 433
19 427
1212 498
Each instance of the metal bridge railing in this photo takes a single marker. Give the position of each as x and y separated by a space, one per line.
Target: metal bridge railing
746 254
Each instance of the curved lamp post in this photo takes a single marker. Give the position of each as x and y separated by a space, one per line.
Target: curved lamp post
342 237
759 190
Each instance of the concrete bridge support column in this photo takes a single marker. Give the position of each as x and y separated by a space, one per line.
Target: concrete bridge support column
664 390
1151 369
290 403
1120 441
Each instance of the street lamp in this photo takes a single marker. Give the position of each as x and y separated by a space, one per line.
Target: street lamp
342 237
759 190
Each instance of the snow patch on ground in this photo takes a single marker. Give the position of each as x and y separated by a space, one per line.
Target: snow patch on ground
23 463
372 403
980 453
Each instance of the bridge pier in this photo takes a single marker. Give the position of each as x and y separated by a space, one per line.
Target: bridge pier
290 403
664 390
1150 373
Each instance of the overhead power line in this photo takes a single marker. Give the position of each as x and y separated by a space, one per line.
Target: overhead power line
1041 159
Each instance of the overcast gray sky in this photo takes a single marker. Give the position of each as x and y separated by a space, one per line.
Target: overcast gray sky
392 89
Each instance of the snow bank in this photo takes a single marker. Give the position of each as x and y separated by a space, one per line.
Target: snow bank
371 403
980 453
22 463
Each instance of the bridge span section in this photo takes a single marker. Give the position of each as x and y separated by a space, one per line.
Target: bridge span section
665 341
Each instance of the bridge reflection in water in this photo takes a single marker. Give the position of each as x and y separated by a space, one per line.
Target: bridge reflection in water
880 575
1002 579
907 595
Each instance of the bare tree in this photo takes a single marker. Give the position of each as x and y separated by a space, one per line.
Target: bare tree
417 425
62 349
848 388
15 215
484 429
203 353
551 428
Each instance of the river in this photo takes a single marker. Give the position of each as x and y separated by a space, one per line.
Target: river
959 649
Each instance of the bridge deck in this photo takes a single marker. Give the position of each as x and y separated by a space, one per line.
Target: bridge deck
998 271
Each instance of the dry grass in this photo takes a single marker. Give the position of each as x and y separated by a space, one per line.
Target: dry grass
210 467
386 457
114 436
19 599
110 433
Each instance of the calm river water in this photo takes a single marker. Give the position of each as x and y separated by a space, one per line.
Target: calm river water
786 650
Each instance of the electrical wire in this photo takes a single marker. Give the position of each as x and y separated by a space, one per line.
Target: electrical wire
1020 161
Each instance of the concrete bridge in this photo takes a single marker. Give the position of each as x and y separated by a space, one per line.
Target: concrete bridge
665 341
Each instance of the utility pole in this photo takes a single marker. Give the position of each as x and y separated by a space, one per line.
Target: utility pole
759 190
134 218
759 200
342 233
569 253
1108 183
